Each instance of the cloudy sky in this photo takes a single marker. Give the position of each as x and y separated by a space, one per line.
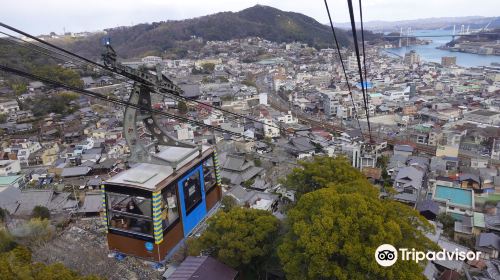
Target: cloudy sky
42 17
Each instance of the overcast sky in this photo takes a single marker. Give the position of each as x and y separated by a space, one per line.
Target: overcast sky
44 16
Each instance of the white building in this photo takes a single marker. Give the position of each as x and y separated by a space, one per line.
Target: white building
184 132
393 95
9 167
9 107
352 62
151 60
270 128
411 58
23 150
288 118
263 98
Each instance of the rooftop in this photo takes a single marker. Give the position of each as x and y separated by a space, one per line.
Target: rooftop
203 268
8 180
456 196
148 176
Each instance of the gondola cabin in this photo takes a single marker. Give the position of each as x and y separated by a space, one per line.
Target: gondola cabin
150 208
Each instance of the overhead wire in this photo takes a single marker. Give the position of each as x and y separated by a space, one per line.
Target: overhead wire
343 66
84 60
363 42
356 49
118 101
116 72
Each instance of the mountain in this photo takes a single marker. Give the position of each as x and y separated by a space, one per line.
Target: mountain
176 36
473 22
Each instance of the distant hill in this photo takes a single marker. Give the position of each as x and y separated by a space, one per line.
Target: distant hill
175 36
473 22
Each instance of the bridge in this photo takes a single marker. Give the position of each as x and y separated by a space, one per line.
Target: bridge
448 35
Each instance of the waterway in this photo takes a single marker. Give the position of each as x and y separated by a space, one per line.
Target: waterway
431 53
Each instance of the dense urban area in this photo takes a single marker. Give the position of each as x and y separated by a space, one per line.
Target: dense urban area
302 164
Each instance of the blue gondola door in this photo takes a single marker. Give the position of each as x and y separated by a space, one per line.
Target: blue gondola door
192 199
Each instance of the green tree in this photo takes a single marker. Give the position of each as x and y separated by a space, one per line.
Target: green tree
3 215
324 172
59 74
18 87
33 232
242 238
17 264
225 181
40 212
182 107
6 241
382 161
208 67
448 224
3 118
249 83
228 202
334 234
248 183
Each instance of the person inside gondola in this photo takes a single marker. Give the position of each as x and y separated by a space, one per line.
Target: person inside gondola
132 208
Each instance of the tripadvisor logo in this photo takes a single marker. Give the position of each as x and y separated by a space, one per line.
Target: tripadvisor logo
387 255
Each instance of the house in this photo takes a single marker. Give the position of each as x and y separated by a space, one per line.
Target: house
254 199
201 268
9 107
396 162
469 226
75 171
456 201
16 181
404 150
489 244
56 202
301 147
452 264
408 183
92 205
9 167
238 169
492 220
429 209
470 181
9 198
486 117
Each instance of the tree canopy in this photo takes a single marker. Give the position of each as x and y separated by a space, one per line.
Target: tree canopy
241 238
17 264
41 212
59 74
328 172
182 107
333 234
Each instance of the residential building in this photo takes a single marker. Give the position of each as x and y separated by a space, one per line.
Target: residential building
448 61
9 167
8 107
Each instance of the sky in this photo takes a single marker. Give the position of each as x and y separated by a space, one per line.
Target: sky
44 16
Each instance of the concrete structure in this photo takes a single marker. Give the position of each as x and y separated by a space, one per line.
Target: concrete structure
9 167
448 61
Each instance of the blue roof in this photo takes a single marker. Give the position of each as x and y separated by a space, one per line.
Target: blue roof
368 85
9 180
457 196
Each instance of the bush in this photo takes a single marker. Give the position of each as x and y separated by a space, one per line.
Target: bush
6 241
228 203
41 212
3 215
33 232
